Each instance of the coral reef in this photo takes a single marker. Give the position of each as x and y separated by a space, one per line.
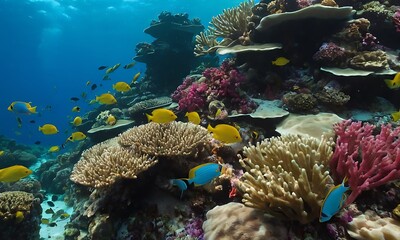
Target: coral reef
367 160
236 221
148 104
332 97
170 139
106 162
300 102
375 60
287 176
222 84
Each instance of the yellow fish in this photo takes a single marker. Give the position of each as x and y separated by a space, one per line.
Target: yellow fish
45 221
64 216
76 109
14 173
193 117
135 78
130 65
395 83
106 98
76 136
280 61
113 68
111 120
396 116
161 115
54 149
19 216
225 133
121 87
1 153
77 121
22 108
48 129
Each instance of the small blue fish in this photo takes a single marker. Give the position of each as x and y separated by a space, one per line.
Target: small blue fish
180 183
333 202
204 173
21 108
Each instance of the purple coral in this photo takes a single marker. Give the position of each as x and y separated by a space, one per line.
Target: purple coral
396 20
330 53
194 228
369 41
221 84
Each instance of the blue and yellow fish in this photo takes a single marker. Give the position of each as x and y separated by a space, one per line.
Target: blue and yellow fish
333 202
204 173
21 107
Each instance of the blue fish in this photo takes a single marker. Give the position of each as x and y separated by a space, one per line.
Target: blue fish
21 108
180 183
333 202
204 173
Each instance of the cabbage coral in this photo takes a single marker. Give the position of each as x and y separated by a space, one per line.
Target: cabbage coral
287 176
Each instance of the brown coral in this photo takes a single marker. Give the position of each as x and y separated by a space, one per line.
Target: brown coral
13 201
287 176
375 60
104 163
299 102
330 96
170 139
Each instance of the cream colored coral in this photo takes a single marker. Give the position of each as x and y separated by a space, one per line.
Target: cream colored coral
13 201
287 176
371 226
236 221
167 139
104 163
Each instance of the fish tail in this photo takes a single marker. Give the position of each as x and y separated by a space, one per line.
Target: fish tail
33 109
189 181
149 117
40 128
209 128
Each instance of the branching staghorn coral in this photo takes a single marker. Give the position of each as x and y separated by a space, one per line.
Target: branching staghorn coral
104 163
230 25
168 139
287 176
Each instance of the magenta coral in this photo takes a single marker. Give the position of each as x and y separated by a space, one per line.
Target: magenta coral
367 160
396 20
221 84
330 53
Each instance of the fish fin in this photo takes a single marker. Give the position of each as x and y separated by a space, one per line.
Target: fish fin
187 113
209 128
40 128
389 83
149 117
32 109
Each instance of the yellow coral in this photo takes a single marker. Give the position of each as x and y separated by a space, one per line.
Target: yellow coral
287 176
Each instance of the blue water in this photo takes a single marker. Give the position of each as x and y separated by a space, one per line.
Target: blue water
49 50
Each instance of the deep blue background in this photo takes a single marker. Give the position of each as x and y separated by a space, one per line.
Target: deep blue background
49 50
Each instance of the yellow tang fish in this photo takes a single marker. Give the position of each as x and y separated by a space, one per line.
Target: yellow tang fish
193 117
76 109
106 98
111 120
395 83
113 68
280 61
225 133
48 129
161 115
121 87
396 116
135 78
76 136
14 173
77 121
21 108
1 153
54 149
19 216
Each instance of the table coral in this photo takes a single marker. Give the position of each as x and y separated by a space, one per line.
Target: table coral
367 160
287 176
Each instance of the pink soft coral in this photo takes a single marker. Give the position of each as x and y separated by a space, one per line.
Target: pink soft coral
367 160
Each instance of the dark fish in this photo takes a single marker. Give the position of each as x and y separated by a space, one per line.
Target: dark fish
19 120
93 87
75 99
32 121
106 77
38 142
102 67
50 203
53 224
54 198
49 211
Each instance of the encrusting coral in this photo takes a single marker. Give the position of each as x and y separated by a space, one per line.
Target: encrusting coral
170 139
287 176
104 163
